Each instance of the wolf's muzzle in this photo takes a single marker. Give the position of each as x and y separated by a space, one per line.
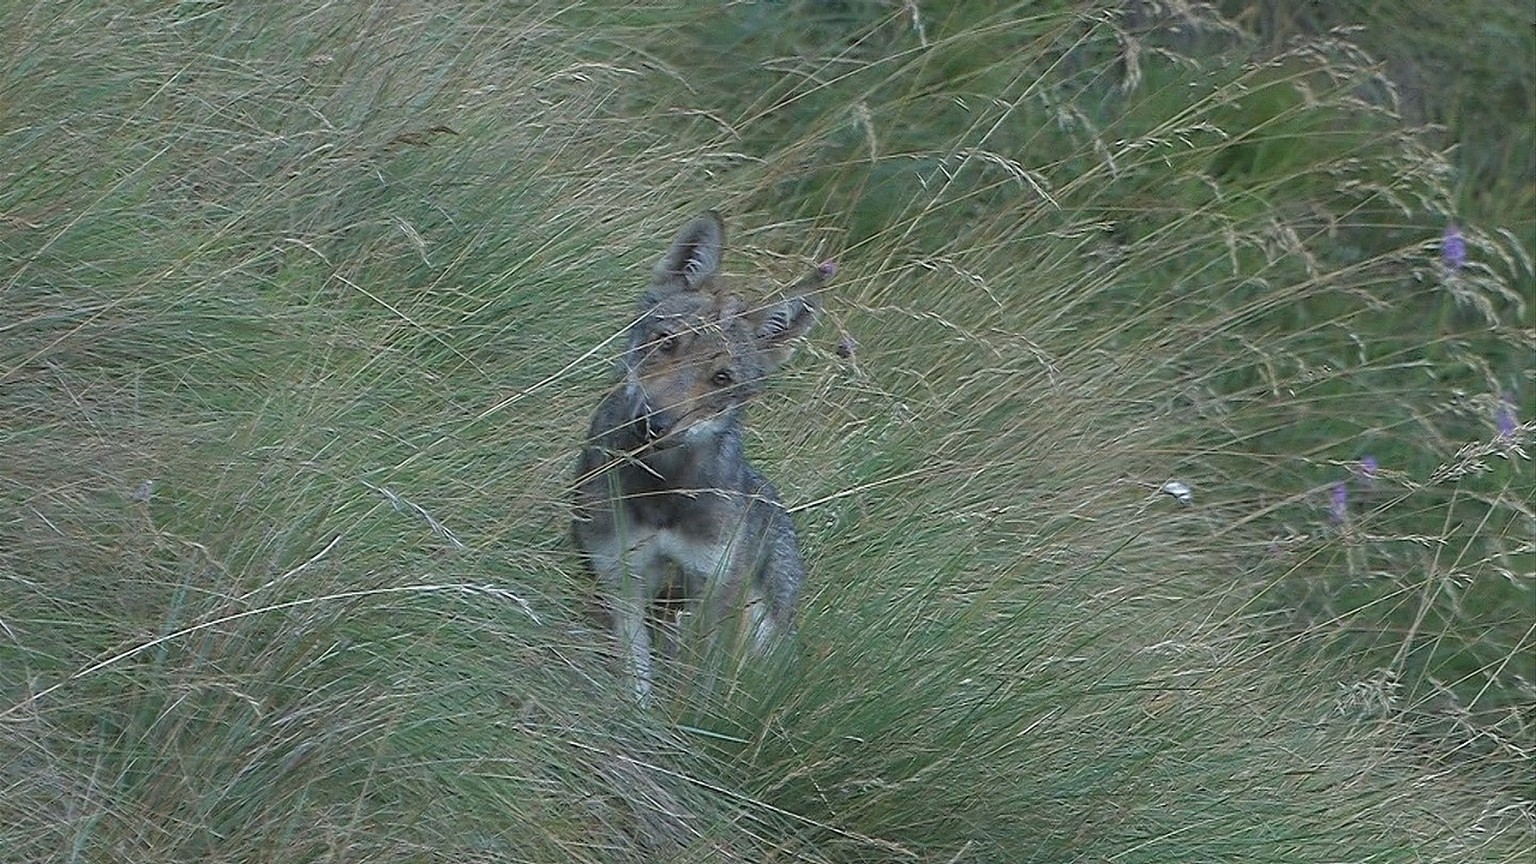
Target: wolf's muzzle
652 424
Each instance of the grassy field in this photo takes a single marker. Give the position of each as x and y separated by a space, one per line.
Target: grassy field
303 311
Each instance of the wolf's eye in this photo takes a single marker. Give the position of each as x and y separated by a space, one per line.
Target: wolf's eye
668 345
723 378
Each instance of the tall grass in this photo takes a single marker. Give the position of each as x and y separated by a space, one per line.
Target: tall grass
304 310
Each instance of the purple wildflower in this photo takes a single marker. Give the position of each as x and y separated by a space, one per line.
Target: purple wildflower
1504 416
827 268
1453 249
1366 470
1338 504
143 492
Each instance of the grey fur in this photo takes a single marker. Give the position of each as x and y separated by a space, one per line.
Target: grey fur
666 502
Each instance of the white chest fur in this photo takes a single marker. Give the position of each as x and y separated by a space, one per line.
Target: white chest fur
654 555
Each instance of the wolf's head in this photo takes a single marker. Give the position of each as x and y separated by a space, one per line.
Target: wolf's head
699 350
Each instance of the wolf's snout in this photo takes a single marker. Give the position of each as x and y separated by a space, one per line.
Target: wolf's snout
653 424
658 424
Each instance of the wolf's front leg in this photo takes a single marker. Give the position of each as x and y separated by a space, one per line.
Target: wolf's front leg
634 638
776 591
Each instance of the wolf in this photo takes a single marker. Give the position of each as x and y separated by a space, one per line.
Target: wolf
667 506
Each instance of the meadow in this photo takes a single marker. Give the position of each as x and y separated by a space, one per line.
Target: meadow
1161 458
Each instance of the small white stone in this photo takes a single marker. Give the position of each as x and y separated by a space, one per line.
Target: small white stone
1182 493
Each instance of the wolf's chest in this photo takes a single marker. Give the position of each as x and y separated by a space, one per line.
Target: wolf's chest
695 511
661 556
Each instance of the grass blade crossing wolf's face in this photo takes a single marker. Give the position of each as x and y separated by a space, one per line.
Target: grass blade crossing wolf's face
666 503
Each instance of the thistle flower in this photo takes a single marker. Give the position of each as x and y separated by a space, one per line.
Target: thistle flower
1504 416
1453 249
1338 503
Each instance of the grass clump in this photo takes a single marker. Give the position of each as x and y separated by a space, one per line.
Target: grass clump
305 311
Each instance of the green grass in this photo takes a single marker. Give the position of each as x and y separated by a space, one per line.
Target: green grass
304 313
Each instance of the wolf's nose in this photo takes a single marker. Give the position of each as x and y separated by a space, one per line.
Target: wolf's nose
651 423
658 424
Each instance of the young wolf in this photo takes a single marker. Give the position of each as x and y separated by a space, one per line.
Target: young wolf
666 504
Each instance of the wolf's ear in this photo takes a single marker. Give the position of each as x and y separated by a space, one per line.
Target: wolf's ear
777 327
694 258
